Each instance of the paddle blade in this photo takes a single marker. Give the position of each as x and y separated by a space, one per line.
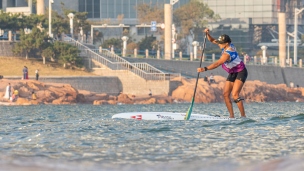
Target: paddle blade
188 114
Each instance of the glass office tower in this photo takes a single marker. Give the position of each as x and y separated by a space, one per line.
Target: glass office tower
259 11
110 9
243 20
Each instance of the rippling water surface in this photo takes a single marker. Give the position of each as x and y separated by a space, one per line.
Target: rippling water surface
84 137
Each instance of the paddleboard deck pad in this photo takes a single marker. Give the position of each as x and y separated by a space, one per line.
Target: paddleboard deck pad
166 116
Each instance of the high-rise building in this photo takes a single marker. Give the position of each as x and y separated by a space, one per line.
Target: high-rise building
110 9
13 3
15 6
250 22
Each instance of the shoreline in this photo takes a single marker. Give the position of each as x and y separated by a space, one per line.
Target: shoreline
65 94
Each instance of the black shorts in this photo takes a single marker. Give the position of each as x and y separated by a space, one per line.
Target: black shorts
239 75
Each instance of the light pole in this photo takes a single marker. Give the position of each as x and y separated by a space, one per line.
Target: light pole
295 48
264 58
195 44
71 17
124 49
50 18
80 31
288 44
288 53
172 2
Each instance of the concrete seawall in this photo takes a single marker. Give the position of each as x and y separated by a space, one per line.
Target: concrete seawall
98 84
264 73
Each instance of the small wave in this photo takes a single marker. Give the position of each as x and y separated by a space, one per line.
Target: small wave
243 121
163 129
299 117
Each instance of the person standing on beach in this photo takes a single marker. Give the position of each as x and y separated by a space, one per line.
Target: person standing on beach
236 69
37 74
150 92
26 77
8 91
24 70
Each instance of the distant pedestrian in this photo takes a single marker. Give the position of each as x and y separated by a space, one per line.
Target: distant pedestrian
15 95
206 79
34 97
8 92
26 77
150 92
291 84
247 57
37 74
24 70
211 78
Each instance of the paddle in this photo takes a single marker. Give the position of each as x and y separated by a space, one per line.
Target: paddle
188 114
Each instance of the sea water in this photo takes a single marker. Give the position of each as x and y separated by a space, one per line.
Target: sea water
85 137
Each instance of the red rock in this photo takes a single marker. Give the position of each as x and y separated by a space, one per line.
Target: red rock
123 98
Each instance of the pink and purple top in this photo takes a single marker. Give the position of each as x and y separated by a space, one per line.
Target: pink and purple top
235 64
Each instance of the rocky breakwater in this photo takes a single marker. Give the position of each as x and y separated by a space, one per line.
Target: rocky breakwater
46 93
53 93
253 91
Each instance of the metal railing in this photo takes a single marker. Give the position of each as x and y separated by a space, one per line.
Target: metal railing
116 58
115 62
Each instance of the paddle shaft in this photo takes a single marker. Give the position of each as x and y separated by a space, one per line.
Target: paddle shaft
187 117
198 74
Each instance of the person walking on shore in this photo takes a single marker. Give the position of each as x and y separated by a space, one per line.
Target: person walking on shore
37 74
236 69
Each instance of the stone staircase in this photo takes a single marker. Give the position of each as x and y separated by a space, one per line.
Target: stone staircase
136 78
132 83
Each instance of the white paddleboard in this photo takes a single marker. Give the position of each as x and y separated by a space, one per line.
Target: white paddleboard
166 116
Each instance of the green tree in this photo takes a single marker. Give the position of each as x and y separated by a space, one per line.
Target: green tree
112 42
48 52
26 44
98 37
16 22
34 20
148 13
67 54
147 43
79 21
37 39
194 15
60 24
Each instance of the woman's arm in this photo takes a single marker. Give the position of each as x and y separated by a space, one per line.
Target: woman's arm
223 59
209 37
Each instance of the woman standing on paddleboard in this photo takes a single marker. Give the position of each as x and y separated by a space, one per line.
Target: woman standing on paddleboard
231 63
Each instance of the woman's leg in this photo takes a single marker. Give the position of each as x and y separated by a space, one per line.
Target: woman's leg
237 87
226 93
